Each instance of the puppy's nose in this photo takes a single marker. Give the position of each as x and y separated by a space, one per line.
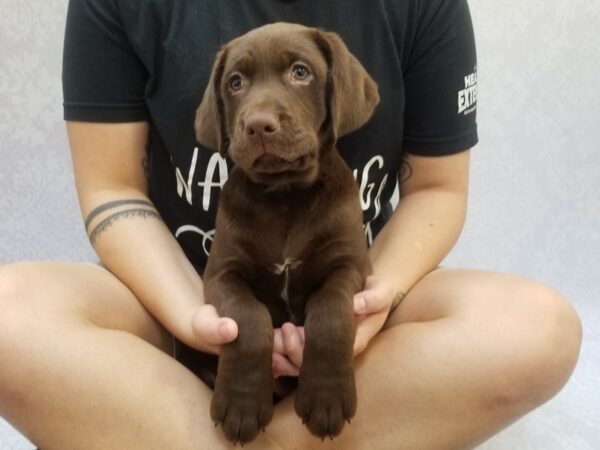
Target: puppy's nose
261 124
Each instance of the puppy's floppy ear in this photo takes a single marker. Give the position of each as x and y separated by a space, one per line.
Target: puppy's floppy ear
353 93
210 123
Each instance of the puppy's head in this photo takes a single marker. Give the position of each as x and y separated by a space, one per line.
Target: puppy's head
278 97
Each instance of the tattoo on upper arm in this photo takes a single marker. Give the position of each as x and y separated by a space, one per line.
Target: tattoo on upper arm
125 214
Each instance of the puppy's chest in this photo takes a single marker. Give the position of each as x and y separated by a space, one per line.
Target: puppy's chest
284 271
283 241
286 275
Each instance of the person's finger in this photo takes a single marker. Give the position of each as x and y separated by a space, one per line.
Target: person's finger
281 366
278 341
366 329
293 343
210 330
373 299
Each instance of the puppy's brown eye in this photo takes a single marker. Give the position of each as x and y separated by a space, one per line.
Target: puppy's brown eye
300 72
236 83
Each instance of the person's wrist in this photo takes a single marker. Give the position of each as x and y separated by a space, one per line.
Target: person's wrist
397 280
179 321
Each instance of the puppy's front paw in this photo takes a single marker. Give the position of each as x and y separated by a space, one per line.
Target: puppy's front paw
243 407
325 401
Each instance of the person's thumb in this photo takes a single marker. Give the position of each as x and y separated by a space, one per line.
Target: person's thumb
210 330
372 299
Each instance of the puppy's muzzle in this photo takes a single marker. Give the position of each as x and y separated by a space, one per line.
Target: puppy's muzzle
264 131
261 126
269 163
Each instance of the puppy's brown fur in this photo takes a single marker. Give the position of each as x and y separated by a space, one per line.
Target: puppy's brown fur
289 244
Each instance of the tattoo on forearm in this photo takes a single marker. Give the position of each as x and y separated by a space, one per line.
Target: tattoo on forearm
126 214
146 167
396 302
114 204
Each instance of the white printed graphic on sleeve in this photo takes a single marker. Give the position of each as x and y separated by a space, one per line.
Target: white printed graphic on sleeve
467 97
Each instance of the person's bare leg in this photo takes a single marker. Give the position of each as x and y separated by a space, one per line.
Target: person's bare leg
84 366
464 355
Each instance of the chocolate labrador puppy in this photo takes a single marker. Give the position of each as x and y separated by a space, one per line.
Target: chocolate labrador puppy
289 244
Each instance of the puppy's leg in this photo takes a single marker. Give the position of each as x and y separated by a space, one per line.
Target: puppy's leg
326 395
243 398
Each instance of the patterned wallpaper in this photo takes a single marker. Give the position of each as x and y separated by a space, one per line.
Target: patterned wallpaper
535 196
39 216
535 189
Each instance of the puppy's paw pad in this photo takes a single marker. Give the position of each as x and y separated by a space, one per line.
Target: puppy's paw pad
325 406
241 415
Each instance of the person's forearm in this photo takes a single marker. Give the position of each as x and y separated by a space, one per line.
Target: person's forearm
424 227
137 247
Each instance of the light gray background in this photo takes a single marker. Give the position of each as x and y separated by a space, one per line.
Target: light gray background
534 204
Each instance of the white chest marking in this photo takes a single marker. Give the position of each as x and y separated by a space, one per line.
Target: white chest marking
284 269
287 265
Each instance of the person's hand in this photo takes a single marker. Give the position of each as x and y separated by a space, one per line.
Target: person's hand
371 306
288 347
209 331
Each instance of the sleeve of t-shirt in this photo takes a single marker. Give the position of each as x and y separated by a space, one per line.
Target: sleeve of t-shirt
103 79
440 76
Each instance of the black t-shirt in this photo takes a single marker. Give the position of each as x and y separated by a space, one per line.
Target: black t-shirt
150 60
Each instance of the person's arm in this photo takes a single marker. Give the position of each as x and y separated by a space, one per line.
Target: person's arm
424 227
131 239
427 221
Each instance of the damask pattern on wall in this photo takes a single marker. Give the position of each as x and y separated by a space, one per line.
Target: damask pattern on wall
39 217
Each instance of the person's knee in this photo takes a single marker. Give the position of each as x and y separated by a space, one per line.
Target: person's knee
15 282
546 357
563 332
23 294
